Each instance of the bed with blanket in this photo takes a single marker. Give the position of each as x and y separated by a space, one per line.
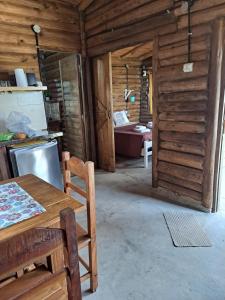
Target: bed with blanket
128 142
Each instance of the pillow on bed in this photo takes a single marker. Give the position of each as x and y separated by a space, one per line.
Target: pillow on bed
120 118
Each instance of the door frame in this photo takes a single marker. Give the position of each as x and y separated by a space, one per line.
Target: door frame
219 142
91 69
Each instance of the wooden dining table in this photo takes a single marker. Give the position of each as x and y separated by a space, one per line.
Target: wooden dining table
51 198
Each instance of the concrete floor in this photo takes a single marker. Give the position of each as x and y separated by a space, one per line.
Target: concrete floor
136 257
222 184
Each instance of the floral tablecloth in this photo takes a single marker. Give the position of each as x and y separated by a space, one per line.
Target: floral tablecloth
16 205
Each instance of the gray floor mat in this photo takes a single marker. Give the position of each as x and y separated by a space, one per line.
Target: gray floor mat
185 230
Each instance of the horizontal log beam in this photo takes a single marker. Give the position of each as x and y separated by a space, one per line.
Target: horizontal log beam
183 159
185 173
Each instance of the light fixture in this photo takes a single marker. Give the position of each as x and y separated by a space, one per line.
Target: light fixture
36 29
188 67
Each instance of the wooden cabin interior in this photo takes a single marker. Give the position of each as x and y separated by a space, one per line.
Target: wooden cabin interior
125 99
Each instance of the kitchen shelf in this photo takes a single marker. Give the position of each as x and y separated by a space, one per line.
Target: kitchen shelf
11 89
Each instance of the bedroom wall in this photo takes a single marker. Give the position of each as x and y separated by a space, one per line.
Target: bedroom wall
60 32
119 83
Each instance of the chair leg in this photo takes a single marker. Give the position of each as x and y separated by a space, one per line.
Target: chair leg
93 265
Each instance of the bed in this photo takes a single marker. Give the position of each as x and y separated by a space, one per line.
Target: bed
128 142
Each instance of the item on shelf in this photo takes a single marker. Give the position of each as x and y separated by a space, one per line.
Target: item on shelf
4 83
12 79
21 78
31 79
18 122
39 83
21 136
6 136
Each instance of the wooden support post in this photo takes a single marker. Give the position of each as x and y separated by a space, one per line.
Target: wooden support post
216 58
87 96
155 117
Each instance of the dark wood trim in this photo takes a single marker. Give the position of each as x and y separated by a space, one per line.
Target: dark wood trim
90 111
4 165
217 48
155 101
87 95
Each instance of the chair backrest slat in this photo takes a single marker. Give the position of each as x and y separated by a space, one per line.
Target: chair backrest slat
77 189
85 171
30 245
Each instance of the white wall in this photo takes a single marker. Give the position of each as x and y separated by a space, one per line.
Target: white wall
29 103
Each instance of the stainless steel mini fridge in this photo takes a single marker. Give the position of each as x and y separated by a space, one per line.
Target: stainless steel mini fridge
41 160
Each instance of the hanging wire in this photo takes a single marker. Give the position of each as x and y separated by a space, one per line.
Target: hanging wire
190 3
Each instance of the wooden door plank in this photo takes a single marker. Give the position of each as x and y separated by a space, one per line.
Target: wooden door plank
104 107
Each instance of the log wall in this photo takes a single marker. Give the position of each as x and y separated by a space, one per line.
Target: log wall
184 103
60 32
119 84
112 25
185 106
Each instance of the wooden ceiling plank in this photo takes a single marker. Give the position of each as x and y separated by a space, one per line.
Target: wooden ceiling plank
115 18
84 4
132 51
140 50
145 56
71 2
120 52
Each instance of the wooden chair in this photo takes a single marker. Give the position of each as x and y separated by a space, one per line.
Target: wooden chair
86 238
58 278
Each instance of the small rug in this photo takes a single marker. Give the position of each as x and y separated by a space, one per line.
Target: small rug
16 205
185 230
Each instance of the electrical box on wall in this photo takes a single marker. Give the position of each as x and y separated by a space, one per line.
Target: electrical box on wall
188 68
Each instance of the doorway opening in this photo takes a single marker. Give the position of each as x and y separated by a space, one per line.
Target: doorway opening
123 108
132 106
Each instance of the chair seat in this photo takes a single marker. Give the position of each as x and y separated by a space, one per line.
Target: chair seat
25 283
82 237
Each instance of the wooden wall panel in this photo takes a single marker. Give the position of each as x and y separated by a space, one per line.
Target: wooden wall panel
185 110
60 31
119 83
106 33
182 106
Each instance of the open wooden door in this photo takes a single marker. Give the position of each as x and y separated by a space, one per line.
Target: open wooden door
185 115
73 113
102 68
